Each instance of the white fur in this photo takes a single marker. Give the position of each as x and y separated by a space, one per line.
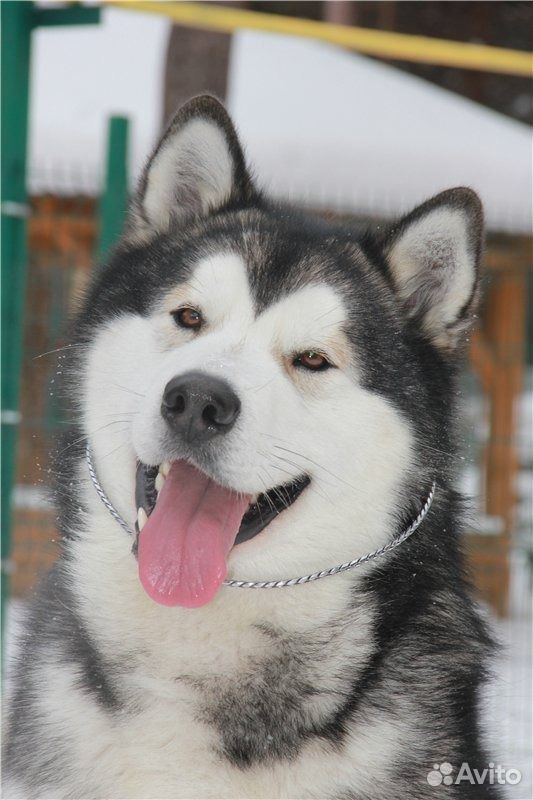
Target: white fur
197 160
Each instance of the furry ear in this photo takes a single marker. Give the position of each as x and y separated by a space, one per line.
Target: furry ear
433 255
197 167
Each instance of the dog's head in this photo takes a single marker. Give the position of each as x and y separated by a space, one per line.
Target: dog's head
266 391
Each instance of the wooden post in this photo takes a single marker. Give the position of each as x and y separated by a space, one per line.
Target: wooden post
341 12
504 330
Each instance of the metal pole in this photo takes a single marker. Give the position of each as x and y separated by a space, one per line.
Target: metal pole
18 19
115 194
16 38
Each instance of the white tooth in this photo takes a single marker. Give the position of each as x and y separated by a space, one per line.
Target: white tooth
142 519
159 481
164 468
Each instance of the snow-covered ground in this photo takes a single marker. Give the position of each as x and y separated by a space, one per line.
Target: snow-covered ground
508 699
508 705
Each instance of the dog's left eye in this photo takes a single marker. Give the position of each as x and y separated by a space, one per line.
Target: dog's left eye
312 360
188 317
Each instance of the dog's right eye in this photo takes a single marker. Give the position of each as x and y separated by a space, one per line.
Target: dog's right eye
188 317
312 361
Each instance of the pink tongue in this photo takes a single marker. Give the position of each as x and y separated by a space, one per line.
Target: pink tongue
184 545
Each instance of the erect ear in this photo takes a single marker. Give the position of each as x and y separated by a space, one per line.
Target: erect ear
197 167
433 255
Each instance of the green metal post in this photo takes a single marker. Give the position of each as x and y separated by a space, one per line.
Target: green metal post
115 195
18 19
16 39
68 15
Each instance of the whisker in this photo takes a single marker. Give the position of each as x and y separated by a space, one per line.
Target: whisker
312 487
117 413
292 463
285 501
419 444
56 350
115 449
311 461
93 433
269 501
258 388
126 389
271 436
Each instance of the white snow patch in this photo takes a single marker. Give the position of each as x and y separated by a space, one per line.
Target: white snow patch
325 126
81 75
339 130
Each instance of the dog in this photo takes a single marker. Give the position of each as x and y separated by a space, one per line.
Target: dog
262 397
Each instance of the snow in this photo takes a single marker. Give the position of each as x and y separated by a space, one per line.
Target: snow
80 76
329 127
508 698
340 130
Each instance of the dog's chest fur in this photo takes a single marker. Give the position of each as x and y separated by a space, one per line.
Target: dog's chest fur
224 705
169 750
259 732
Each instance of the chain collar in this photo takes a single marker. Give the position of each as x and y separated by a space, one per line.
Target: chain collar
314 576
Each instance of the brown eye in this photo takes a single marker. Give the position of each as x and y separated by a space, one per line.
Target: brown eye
312 360
188 318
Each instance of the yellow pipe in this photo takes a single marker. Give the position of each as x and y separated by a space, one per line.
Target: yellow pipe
383 44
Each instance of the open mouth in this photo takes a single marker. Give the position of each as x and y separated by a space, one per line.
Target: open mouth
187 524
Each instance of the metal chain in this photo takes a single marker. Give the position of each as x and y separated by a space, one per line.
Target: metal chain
314 576
102 495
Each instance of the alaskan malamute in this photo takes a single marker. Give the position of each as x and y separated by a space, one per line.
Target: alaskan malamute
261 592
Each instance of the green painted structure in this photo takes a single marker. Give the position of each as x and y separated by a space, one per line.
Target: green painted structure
19 20
114 198
17 25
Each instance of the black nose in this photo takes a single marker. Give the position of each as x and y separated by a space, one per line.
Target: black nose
199 406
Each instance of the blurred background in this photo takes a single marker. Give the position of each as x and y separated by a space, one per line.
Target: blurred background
335 126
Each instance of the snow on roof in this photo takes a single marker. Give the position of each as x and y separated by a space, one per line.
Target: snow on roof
80 76
321 125
337 130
